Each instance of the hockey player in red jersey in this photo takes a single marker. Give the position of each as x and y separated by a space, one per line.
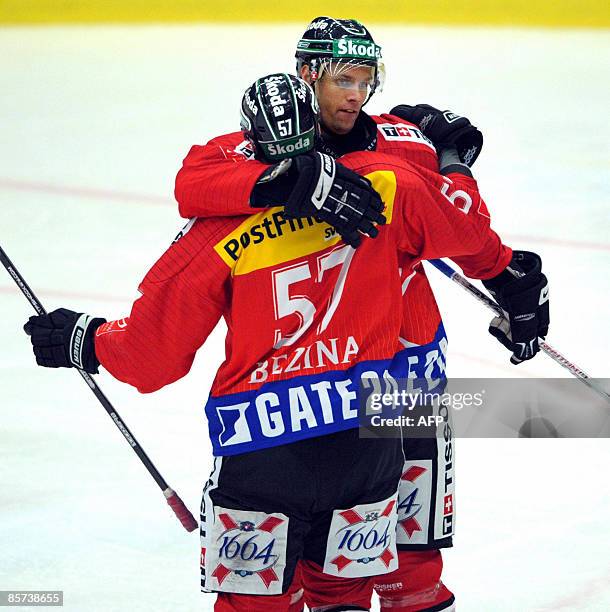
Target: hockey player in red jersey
292 479
341 60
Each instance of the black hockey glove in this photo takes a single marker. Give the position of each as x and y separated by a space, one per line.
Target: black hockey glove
314 185
522 291
445 129
64 339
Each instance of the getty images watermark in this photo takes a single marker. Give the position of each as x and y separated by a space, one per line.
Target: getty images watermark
410 401
496 408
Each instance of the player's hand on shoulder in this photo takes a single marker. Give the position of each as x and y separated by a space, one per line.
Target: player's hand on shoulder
445 129
315 185
522 291
64 339
331 192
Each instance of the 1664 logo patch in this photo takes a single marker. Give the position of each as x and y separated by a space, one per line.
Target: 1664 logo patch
414 497
362 540
247 552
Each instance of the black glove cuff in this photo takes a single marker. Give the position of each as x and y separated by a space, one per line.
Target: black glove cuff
528 270
82 343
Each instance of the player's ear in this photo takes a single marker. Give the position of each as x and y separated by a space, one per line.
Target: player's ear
305 73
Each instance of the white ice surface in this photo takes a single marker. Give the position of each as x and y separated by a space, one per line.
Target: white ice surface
95 123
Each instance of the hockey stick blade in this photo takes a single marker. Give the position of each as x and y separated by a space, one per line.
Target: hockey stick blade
177 505
546 348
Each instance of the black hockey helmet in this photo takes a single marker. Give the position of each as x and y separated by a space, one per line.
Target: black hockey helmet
339 43
279 116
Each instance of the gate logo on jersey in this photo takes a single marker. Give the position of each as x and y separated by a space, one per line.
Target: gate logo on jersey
362 540
248 552
414 497
404 133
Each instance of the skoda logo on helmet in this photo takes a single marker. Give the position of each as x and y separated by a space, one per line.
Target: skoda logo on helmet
289 147
318 25
250 103
274 95
349 26
349 47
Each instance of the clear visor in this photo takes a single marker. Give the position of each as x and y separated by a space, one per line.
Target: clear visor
354 75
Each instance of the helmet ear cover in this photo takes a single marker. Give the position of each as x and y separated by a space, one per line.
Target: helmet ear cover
279 117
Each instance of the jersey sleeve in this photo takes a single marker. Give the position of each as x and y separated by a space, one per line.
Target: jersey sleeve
437 216
495 256
446 217
216 179
183 296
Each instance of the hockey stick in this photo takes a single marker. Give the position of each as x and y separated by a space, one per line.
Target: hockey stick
173 499
456 277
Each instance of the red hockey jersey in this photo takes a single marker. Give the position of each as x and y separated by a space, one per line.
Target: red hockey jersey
307 315
213 182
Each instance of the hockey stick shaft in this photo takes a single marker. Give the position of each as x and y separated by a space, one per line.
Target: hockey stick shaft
554 354
173 499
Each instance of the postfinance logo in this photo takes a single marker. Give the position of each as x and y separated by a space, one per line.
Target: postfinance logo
266 239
